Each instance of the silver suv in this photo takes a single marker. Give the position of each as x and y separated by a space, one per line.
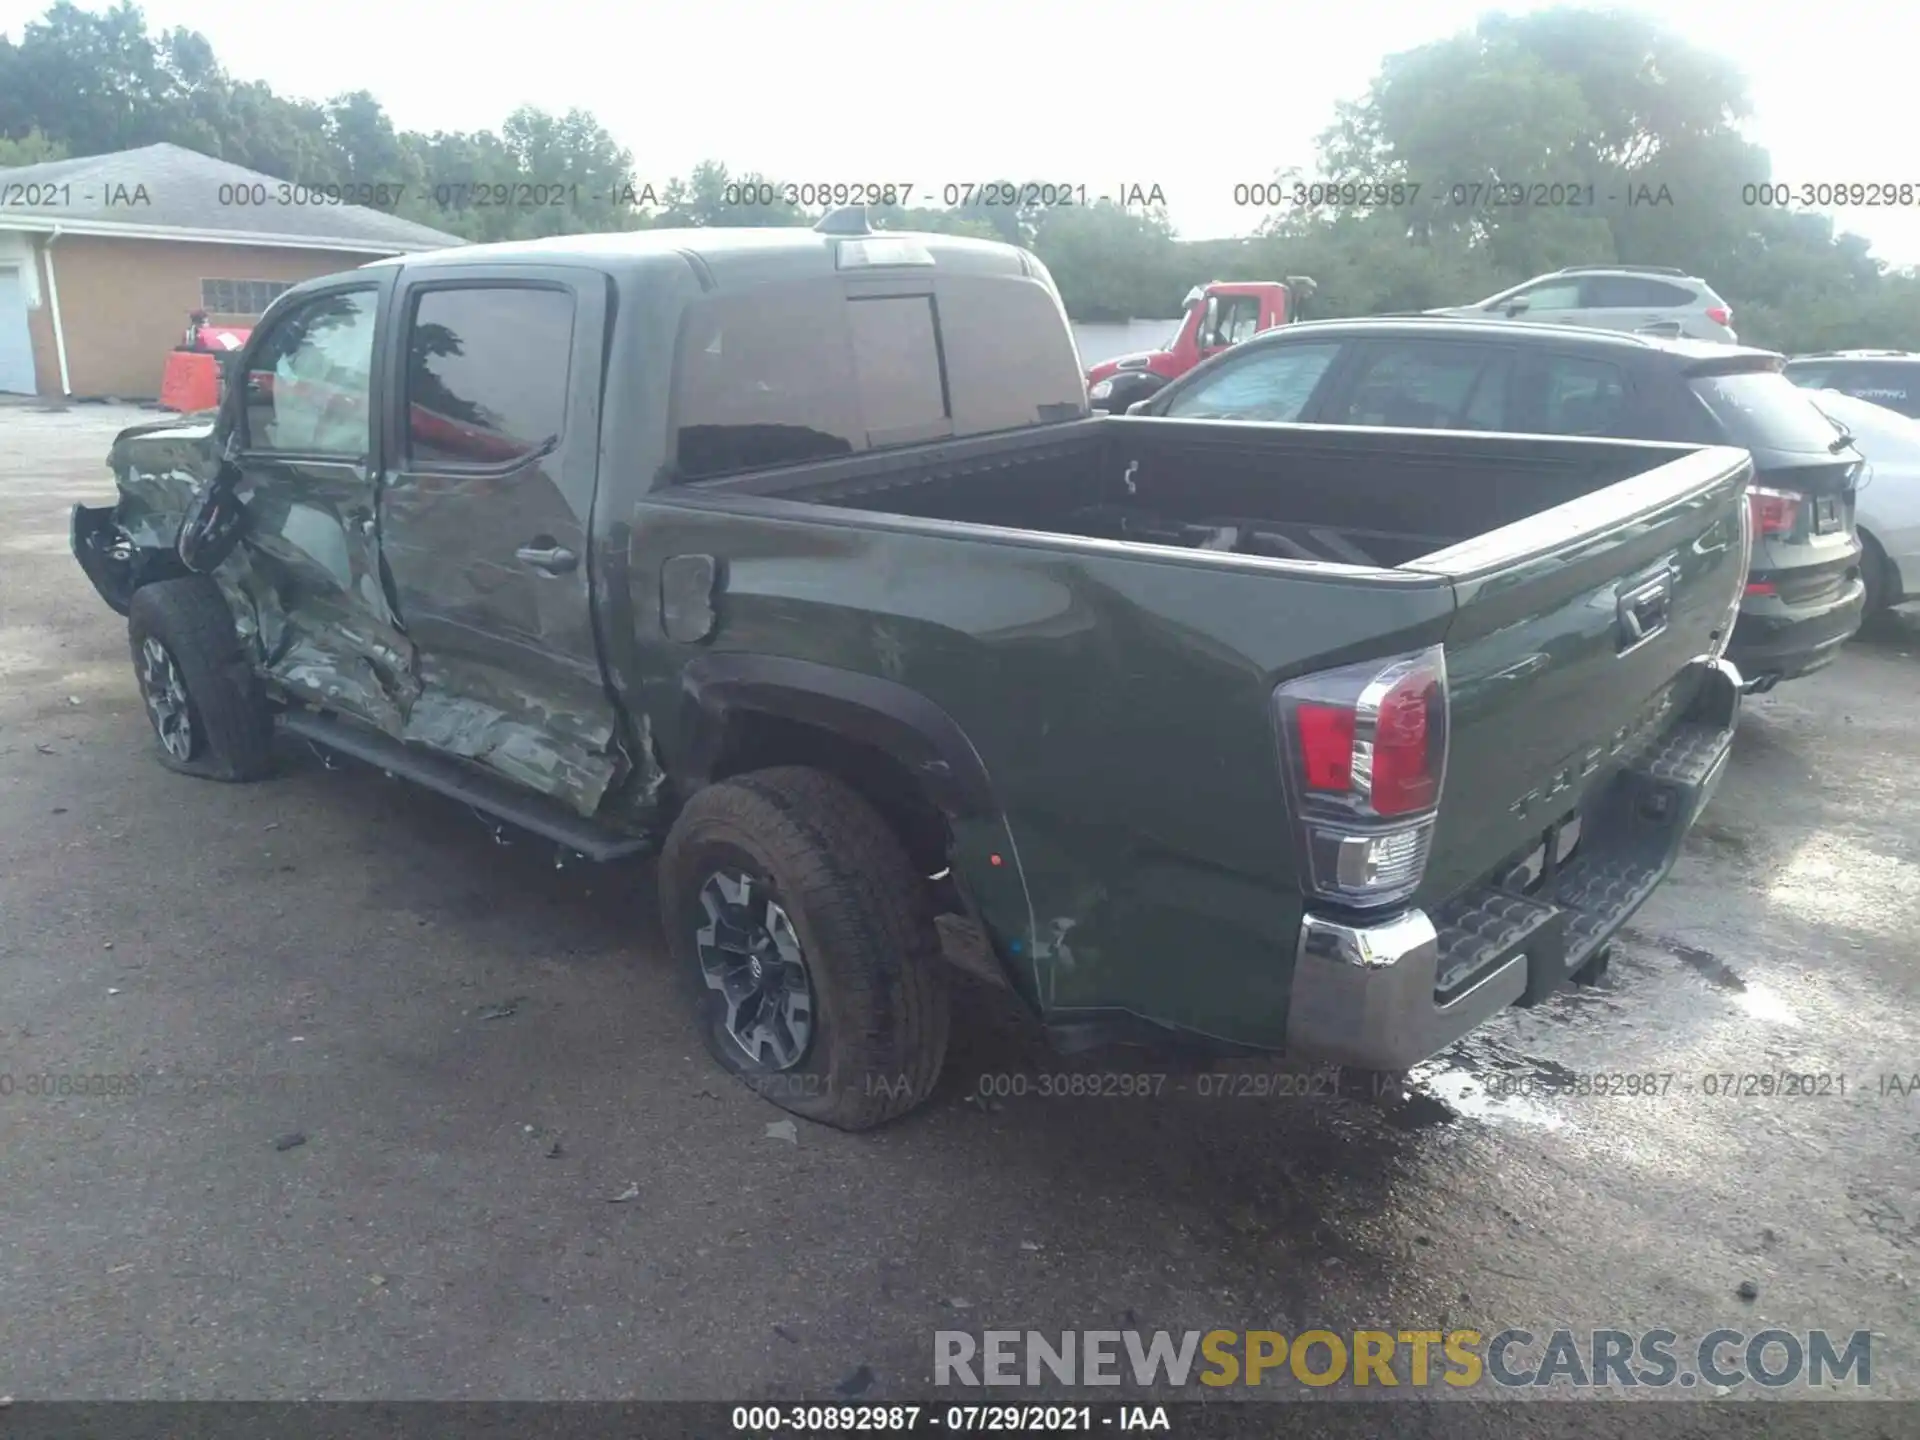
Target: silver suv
1647 299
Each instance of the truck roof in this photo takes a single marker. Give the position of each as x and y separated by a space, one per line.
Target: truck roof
727 255
1692 353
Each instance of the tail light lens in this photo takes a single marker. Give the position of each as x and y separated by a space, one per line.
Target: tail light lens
1364 749
1720 315
1775 512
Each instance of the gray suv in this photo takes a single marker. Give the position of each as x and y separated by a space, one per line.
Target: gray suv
1646 299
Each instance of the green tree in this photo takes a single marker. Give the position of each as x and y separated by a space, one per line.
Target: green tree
1637 124
30 149
713 195
1109 262
1607 106
92 80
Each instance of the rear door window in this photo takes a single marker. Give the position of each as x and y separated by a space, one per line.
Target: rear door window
1572 395
1273 384
1763 410
1425 385
487 371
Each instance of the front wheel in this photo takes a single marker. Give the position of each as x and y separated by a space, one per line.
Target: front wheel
806 942
199 692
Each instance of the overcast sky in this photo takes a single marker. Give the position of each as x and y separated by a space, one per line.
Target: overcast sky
1193 96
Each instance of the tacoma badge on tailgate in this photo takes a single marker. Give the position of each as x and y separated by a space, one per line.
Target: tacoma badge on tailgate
1575 768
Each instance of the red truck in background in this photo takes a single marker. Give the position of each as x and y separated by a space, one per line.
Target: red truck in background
1218 314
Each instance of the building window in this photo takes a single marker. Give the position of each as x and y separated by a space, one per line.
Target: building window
240 297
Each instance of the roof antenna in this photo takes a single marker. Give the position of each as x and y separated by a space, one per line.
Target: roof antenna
845 220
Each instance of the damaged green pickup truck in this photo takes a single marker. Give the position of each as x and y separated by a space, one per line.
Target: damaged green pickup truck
797 557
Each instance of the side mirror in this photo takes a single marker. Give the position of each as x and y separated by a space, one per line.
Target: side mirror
213 523
1129 388
1517 307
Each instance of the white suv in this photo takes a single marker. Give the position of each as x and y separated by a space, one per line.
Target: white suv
1647 299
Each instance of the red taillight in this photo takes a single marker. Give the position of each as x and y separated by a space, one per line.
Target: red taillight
1326 747
1365 753
1371 738
1720 315
1775 512
1402 763
1761 587
1405 771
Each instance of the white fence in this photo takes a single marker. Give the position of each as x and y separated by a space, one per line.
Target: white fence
1103 340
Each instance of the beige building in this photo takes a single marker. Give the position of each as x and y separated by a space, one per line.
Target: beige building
103 258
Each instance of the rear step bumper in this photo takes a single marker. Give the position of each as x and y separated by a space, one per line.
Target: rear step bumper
1387 995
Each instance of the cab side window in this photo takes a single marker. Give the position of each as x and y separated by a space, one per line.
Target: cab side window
1229 320
309 384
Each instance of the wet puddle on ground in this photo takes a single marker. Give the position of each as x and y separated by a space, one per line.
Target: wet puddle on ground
1488 1077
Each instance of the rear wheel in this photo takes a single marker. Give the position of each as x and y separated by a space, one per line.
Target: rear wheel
806 942
1877 574
200 694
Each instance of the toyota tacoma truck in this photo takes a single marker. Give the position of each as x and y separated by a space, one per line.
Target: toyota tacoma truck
797 559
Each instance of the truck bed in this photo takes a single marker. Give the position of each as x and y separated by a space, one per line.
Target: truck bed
1381 499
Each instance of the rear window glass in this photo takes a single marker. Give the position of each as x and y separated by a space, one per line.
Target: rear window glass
782 374
1763 410
1894 385
896 366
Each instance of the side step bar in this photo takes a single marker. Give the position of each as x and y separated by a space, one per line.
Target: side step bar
506 803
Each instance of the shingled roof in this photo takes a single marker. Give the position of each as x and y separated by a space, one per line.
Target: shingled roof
167 192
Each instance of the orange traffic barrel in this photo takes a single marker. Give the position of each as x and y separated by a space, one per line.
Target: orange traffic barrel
191 382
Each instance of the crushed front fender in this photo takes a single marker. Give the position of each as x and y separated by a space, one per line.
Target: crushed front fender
110 560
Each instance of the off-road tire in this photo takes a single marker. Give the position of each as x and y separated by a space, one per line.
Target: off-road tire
864 919
232 726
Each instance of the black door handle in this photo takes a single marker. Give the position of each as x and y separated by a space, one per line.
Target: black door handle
554 559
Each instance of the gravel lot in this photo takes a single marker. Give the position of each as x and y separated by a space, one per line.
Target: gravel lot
481 1052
